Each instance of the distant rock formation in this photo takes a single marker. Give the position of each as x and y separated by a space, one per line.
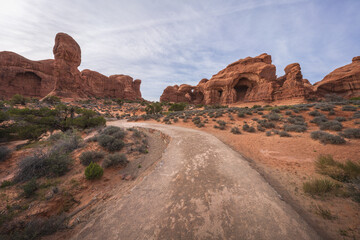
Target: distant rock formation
344 81
254 79
61 76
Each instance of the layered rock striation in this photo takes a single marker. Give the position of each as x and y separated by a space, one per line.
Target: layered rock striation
343 81
60 76
254 79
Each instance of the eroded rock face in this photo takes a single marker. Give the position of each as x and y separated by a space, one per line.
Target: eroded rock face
344 81
184 93
249 79
61 76
292 85
21 75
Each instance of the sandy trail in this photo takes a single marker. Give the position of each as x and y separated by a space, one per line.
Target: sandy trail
201 189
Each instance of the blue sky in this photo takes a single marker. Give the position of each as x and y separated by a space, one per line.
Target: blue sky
173 42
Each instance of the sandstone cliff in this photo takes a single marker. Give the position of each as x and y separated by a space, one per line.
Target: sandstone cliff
254 79
61 76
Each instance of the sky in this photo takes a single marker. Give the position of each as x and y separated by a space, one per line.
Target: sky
182 41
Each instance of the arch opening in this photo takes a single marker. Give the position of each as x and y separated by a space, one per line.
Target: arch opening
242 88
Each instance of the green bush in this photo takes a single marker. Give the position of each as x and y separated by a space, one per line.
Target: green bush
3 116
90 156
30 188
93 171
153 108
319 187
52 99
115 160
19 99
6 183
177 107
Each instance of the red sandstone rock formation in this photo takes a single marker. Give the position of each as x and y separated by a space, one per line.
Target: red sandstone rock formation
184 93
21 75
292 85
249 79
254 79
61 76
344 81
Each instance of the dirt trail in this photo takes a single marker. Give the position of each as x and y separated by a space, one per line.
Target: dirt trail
201 189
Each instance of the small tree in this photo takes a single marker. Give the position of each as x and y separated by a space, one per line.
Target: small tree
93 171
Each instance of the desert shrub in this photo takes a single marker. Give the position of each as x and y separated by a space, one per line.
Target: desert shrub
332 97
288 113
67 142
86 119
177 107
268 133
235 130
53 163
351 133
241 114
294 128
136 133
284 134
319 187
344 172
315 113
4 116
93 171
221 125
19 99
52 99
332 125
340 119
110 143
266 124
114 131
5 184
115 160
349 108
38 227
325 137
272 116
356 115
4 153
260 128
325 107
247 128
30 188
153 108
319 119
324 213
90 156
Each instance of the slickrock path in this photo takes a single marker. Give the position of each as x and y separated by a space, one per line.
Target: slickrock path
201 189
